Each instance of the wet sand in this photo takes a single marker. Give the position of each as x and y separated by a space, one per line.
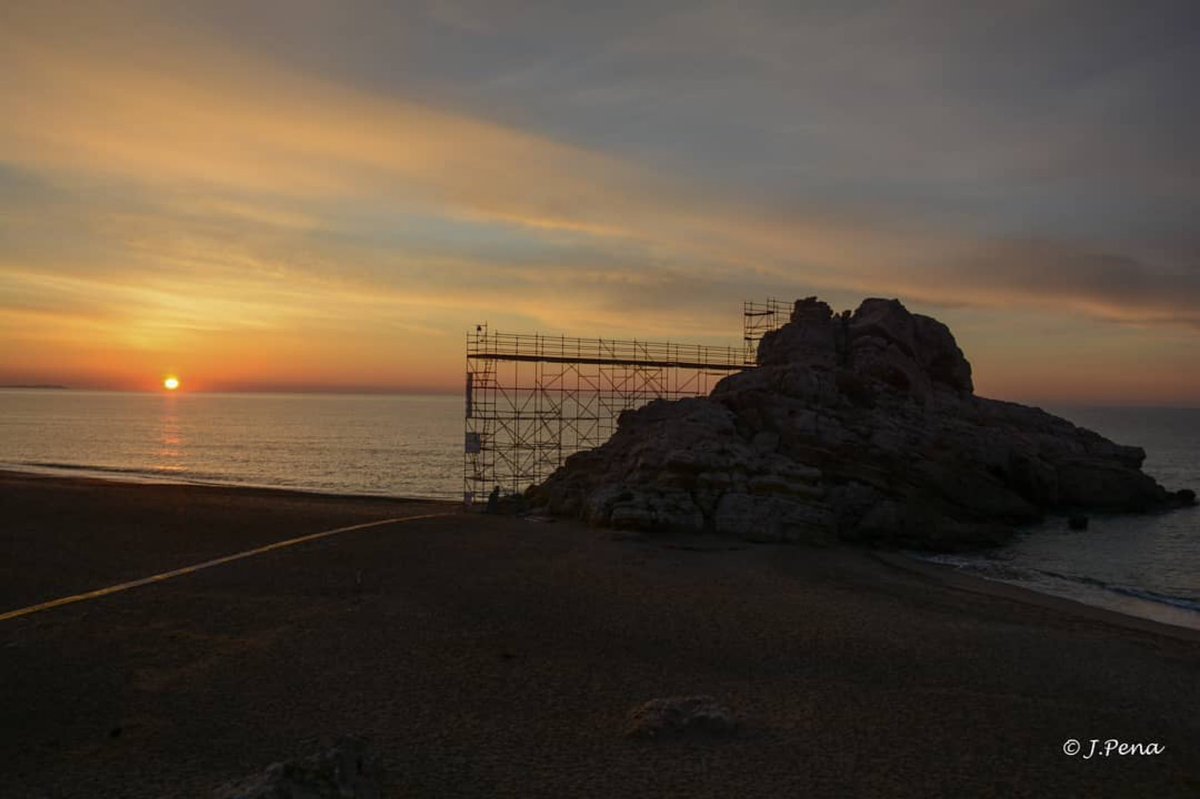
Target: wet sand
497 656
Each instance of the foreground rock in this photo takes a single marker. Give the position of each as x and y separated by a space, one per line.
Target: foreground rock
857 427
680 715
347 770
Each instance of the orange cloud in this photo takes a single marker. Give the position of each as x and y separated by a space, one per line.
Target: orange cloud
237 263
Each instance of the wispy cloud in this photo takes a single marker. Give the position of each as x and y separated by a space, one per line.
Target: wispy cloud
170 188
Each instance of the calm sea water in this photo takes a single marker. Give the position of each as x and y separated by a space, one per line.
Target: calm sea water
407 446
1142 565
411 446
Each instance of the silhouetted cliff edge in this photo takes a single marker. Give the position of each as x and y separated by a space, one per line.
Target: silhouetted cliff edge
858 426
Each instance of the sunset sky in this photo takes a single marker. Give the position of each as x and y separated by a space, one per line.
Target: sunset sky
320 195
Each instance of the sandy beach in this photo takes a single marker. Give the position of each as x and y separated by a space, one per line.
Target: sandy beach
490 656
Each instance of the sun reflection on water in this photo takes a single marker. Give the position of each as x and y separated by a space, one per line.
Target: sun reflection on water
169 457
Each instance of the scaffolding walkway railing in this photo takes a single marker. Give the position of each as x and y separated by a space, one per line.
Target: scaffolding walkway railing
596 351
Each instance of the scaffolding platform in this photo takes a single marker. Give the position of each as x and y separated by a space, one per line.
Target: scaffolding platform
533 400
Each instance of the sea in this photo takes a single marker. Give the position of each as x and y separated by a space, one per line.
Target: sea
412 446
1145 565
385 445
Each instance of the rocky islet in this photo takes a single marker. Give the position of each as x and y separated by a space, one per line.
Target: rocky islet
859 427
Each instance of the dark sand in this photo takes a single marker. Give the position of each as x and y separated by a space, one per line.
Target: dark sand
493 656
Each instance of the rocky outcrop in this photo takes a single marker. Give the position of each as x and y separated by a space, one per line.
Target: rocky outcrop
856 426
349 769
679 716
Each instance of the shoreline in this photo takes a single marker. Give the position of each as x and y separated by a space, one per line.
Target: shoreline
499 656
66 471
952 577
945 575
1139 603
949 574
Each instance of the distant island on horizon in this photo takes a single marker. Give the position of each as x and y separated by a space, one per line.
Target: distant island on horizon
46 387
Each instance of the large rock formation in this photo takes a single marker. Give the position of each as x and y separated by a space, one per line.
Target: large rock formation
860 427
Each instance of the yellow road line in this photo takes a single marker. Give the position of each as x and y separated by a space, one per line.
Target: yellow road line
158 578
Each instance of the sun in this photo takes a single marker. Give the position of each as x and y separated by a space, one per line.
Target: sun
171 383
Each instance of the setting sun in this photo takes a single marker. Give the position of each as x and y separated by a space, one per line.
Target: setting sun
171 383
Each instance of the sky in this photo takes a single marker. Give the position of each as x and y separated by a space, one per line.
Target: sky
327 196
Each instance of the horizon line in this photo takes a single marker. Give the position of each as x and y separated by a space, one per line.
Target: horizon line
432 392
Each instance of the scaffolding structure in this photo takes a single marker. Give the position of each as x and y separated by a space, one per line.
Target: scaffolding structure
532 400
758 319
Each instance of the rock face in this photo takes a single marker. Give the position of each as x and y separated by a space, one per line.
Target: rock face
347 770
856 426
678 716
